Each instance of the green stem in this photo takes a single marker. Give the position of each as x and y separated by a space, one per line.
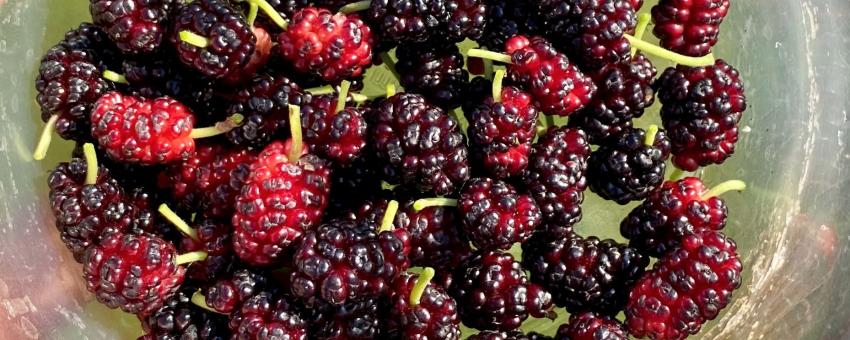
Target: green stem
252 13
670 55
194 256
389 216
356 7
194 39
733 185
388 186
389 63
271 13
343 96
178 222
434 202
390 90
44 140
201 301
649 139
297 146
490 55
488 68
359 98
643 20
321 90
91 163
677 174
497 85
419 287
115 77
219 128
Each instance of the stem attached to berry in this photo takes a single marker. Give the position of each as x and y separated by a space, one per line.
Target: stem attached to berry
661 52
252 13
389 217
342 96
387 186
497 85
490 55
45 138
390 90
200 300
649 139
219 128
270 12
419 287
434 202
194 39
115 77
321 90
733 185
488 68
643 20
297 146
194 256
390 64
178 222
356 7
677 174
91 163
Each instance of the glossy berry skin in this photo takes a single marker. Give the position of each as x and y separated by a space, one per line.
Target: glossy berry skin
500 133
341 49
436 238
259 58
591 326
495 216
408 20
86 212
558 86
228 294
231 41
354 320
265 316
583 274
701 108
689 27
264 102
507 18
69 82
133 272
336 136
590 30
624 90
511 335
280 200
347 260
145 131
500 164
209 180
435 317
626 169
421 145
467 19
556 175
686 288
493 292
135 26
674 211
433 69
179 318
214 237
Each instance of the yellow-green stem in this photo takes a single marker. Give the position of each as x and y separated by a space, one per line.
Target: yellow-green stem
389 63
434 202
643 20
356 7
219 128
178 222
44 140
649 139
388 186
490 55
497 85
194 39
201 301
297 141
488 68
390 90
194 256
660 52
321 90
343 96
359 98
252 13
389 217
115 77
91 163
271 13
419 287
733 185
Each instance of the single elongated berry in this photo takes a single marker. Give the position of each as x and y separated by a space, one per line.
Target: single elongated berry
136 273
224 42
265 316
178 318
557 85
689 27
421 309
675 210
147 131
467 19
624 90
629 168
556 175
341 49
495 215
408 20
264 102
135 26
421 145
591 326
701 108
507 18
338 134
436 238
686 288
493 292
583 274
281 199
227 294
433 69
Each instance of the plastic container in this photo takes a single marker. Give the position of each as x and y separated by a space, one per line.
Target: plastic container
791 225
